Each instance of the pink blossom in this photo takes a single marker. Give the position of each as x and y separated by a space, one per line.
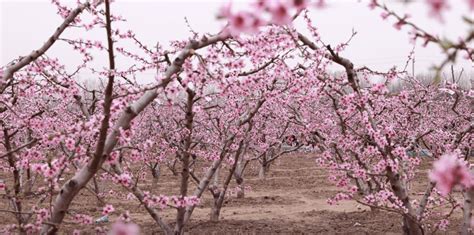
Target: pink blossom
443 224
120 228
163 201
436 7
373 4
226 10
244 22
450 171
399 24
379 88
42 214
470 2
83 219
69 144
261 4
301 4
108 209
125 179
280 14
321 3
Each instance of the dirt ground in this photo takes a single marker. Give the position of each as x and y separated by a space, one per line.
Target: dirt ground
292 200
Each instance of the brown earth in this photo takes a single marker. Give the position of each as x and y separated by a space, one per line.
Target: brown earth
292 200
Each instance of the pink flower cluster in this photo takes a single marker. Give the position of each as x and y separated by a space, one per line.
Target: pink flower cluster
448 171
471 4
107 209
437 7
44 169
42 215
162 201
124 179
443 224
280 12
83 219
385 198
185 201
339 197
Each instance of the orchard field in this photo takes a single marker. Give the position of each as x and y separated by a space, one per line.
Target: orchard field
263 127
291 200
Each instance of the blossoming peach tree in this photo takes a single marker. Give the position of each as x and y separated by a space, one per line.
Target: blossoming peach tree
222 101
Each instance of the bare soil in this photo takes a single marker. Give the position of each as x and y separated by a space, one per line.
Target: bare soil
291 200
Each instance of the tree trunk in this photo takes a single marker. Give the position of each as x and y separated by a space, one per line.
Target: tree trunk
264 168
239 173
155 172
15 201
216 207
29 182
65 197
215 179
100 202
215 213
180 222
410 225
467 213
220 196
204 183
241 189
424 201
179 228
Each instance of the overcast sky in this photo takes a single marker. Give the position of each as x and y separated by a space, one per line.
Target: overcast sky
25 25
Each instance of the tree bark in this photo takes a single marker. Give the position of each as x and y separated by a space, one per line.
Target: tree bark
204 183
218 201
410 224
264 168
215 179
185 158
216 208
155 172
241 187
239 173
15 200
466 228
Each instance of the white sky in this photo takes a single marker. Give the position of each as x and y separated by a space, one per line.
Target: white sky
25 25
